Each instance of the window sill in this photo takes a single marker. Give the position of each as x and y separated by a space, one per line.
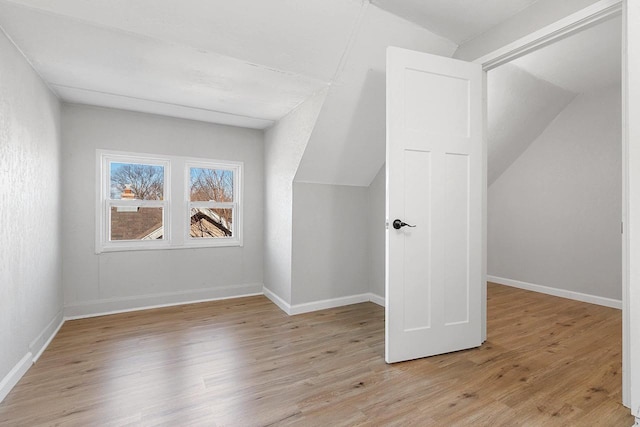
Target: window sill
164 247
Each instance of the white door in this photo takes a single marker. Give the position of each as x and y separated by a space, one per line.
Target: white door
435 181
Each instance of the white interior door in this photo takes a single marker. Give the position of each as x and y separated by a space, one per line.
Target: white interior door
434 182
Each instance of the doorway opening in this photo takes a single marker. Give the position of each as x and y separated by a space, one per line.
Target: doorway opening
555 180
452 107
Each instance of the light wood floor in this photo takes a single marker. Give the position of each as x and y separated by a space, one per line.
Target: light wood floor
548 361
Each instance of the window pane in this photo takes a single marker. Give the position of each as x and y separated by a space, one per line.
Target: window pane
211 185
211 223
134 181
133 223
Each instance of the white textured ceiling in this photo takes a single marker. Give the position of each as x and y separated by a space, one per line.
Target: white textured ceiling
457 20
582 62
250 62
242 62
245 62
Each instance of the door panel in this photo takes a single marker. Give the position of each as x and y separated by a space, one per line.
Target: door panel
417 169
448 116
456 244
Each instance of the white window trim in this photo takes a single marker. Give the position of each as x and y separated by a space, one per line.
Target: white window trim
176 216
236 205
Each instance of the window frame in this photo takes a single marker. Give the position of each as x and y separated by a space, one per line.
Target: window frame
176 215
105 203
235 206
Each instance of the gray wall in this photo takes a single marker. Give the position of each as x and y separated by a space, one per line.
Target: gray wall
329 242
338 240
30 276
285 143
121 280
376 233
554 214
519 108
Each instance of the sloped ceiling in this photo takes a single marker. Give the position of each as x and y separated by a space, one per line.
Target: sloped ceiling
457 20
520 107
585 61
347 145
525 96
249 63
245 63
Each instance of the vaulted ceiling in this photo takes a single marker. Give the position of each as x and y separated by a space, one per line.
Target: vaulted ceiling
525 96
582 62
251 62
457 20
520 106
242 62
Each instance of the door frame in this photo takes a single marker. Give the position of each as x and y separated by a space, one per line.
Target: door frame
578 21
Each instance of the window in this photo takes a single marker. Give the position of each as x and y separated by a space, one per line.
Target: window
135 209
212 200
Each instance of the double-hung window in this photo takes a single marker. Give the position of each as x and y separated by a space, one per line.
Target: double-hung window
213 198
138 205
134 202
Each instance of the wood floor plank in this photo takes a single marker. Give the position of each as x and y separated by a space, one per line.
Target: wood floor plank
547 362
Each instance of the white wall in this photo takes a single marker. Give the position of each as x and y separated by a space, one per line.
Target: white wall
329 242
285 143
376 233
122 280
554 214
339 241
30 262
519 107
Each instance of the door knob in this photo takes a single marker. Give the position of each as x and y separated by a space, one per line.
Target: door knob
398 224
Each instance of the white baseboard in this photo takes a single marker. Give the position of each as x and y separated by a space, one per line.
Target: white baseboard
108 306
37 347
14 375
322 304
563 293
284 306
40 344
328 303
377 299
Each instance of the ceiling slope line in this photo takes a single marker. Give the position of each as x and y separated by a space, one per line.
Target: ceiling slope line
26 58
535 137
162 102
482 33
355 30
316 92
546 82
161 40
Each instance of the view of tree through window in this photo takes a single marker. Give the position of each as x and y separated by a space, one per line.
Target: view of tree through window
211 185
145 181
